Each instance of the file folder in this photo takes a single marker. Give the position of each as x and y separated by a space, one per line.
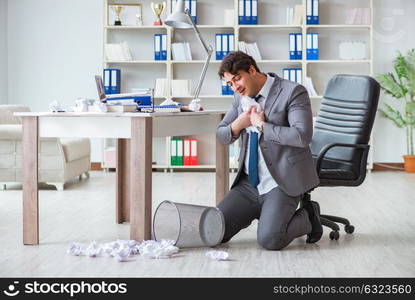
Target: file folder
292 74
157 44
193 153
309 54
315 47
225 45
315 11
180 152
231 42
309 13
193 13
254 12
218 46
107 82
292 46
299 76
299 46
286 73
112 81
241 14
163 48
186 152
173 152
248 12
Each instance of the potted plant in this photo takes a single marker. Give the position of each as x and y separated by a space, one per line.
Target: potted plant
400 84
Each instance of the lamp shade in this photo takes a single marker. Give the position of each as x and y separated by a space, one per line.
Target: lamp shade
178 18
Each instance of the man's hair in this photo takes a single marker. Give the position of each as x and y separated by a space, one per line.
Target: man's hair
235 62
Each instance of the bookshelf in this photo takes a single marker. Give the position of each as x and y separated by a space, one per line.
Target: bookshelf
271 35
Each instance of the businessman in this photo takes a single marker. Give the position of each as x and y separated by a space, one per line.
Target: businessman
273 119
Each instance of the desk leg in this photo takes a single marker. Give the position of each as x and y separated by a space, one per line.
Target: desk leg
141 181
122 207
222 171
30 181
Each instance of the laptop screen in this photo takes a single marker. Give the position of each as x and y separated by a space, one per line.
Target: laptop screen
100 88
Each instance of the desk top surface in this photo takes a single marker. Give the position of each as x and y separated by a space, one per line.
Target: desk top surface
116 114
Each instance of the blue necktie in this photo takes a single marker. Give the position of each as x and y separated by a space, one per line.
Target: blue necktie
253 176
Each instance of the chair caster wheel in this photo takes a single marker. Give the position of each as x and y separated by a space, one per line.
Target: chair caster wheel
334 235
349 229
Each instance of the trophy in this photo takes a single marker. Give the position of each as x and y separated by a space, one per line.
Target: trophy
117 9
158 10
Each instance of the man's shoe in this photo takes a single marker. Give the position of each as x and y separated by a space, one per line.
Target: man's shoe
313 210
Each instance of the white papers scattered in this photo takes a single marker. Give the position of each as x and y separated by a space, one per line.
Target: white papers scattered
118 52
250 49
156 249
217 255
122 250
55 106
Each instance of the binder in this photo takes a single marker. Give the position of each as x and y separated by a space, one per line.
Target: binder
193 13
163 48
286 73
299 76
107 83
292 74
173 152
309 13
309 41
316 51
115 81
157 44
254 10
248 12
180 152
292 45
225 44
241 14
298 46
218 46
186 152
193 153
315 12
231 42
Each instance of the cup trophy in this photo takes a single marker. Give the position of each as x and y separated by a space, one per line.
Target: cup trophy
117 9
158 10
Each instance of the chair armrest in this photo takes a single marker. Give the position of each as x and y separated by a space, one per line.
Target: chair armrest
326 148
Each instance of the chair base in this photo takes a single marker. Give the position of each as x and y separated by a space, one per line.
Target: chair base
330 221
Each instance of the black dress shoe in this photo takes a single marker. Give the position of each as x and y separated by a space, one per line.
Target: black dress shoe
313 210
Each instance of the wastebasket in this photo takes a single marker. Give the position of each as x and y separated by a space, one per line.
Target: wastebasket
188 225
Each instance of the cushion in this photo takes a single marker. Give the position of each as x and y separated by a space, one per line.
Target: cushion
75 148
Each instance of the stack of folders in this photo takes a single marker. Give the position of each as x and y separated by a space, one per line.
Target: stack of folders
160 46
312 46
293 74
250 49
128 102
295 15
312 12
248 12
226 89
191 5
183 152
112 81
180 87
224 44
118 52
181 51
296 46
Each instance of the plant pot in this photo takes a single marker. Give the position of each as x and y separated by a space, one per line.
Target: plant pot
409 163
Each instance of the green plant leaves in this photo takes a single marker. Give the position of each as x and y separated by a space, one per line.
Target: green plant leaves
394 115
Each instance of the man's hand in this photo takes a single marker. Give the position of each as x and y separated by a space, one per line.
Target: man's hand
256 118
243 121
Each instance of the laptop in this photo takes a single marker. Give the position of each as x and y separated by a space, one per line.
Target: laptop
141 98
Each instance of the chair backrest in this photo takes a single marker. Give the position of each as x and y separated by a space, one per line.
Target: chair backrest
6 113
346 115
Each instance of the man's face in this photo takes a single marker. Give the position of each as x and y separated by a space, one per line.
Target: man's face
242 82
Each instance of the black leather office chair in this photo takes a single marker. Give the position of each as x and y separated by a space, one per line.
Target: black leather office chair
341 136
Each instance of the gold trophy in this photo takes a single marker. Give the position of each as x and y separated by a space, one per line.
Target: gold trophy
158 10
117 9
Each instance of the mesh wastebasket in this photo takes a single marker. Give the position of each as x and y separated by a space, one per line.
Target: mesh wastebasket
188 225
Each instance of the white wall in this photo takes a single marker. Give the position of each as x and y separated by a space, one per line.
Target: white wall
393 23
3 52
55 48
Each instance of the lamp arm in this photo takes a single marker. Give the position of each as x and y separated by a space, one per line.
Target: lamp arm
202 76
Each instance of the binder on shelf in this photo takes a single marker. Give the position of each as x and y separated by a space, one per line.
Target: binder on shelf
254 12
286 74
218 46
248 12
312 46
315 12
231 42
173 152
292 41
299 76
163 48
309 13
298 46
193 152
180 152
186 152
293 74
225 44
176 152
112 81
157 46
315 46
241 15
193 13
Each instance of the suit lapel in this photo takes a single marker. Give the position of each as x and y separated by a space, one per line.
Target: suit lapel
273 95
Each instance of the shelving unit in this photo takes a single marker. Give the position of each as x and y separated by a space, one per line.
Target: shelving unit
271 34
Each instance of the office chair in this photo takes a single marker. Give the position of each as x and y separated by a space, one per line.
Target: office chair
341 135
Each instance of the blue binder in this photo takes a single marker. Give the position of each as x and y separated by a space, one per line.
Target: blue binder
241 13
309 53
291 45
254 12
192 10
218 46
315 51
157 46
309 13
163 47
316 5
112 81
298 46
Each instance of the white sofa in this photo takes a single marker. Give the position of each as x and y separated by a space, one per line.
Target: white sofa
60 159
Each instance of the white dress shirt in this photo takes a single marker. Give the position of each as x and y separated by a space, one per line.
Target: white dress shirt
266 181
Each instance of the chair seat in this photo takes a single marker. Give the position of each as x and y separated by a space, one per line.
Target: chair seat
337 174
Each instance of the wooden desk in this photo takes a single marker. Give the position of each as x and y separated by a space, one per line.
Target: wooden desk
134 132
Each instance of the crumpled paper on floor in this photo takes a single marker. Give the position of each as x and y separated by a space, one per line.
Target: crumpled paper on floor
218 255
158 249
